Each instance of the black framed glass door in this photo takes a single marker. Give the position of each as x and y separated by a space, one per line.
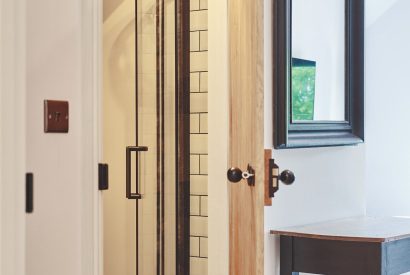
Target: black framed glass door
146 112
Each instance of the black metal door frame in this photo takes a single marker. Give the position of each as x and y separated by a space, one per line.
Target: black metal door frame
182 138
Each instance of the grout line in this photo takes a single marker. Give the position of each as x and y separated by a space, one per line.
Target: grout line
195 113
198 236
199 46
199 245
199 133
199 127
198 71
199 160
199 216
204 92
200 207
199 75
199 30
199 8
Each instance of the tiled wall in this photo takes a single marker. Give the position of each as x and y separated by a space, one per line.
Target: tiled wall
199 137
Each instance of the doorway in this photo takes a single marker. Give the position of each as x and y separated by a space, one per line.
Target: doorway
146 137
120 126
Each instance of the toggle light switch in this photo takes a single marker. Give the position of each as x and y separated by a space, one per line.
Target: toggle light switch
56 116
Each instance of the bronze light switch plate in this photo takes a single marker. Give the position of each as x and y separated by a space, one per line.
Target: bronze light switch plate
56 116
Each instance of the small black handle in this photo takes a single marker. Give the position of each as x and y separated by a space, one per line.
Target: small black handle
103 177
29 193
234 174
287 177
130 149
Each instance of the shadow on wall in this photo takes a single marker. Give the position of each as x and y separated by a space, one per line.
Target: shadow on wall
376 9
121 67
119 48
109 7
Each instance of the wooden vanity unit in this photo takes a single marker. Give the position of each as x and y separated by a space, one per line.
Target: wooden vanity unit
356 246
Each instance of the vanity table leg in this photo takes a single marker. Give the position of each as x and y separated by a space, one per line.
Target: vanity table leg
286 256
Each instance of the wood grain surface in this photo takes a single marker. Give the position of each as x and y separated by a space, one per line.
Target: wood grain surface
246 136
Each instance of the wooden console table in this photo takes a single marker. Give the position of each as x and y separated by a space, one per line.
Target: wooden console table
356 246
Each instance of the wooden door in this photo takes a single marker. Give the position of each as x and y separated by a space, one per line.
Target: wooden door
246 144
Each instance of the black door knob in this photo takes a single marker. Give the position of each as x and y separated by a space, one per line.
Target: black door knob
234 174
287 177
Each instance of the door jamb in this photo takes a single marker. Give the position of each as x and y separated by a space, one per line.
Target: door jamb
92 249
12 136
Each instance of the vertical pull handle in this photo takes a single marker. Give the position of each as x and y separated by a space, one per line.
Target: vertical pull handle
103 179
29 193
129 150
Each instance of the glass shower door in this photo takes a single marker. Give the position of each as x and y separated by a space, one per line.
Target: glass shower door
146 134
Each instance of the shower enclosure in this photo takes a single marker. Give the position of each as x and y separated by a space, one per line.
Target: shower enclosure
146 137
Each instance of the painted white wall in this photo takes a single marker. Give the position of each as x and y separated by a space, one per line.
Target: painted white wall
377 8
329 181
324 44
12 136
387 109
62 55
373 177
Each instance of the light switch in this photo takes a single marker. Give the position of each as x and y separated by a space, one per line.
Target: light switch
56 116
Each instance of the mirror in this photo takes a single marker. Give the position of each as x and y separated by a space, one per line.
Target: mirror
319 71
318 52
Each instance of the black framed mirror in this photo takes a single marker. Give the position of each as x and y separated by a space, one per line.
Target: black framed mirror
318 73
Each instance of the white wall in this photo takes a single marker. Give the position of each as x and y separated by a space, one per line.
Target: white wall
12 136
329 181
373 177
55 70
387 108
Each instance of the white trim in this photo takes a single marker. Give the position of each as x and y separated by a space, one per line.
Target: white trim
12 137
218 220
91 197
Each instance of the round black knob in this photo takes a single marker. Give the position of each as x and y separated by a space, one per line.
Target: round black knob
287 177
234 174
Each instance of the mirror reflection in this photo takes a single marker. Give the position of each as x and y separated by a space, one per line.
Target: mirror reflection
318 60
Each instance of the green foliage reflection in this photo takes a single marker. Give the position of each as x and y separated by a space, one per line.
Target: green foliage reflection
303 89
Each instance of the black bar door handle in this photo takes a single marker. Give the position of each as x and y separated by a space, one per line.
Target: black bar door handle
130 149
29 193
103 177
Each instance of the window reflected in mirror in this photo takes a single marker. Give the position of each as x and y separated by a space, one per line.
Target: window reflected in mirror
303 89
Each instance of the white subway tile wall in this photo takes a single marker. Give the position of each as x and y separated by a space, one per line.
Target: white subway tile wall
199 137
